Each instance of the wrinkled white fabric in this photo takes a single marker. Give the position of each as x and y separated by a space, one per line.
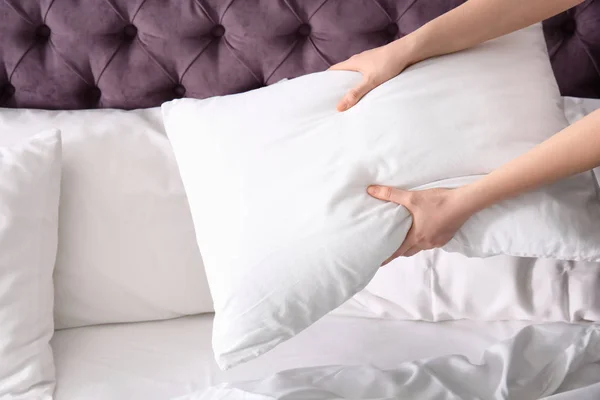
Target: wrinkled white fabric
159 360
538 362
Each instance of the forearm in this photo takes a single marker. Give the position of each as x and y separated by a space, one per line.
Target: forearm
573 150
477 21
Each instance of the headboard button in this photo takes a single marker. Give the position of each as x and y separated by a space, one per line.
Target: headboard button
130 31
392 29
304 30
42 32
7 90
569 27
93 95
217 31
179 91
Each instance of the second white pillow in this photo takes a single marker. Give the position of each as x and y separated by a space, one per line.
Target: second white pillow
437 286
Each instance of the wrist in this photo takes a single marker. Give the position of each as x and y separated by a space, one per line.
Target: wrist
472 198
419 45
406 50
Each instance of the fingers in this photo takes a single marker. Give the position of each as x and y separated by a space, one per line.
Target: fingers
407 245
386 193
398 253
343 66
354 95
411 252
400 197
391 258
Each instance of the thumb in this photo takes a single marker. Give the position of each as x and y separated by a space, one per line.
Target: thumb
354 95
387 193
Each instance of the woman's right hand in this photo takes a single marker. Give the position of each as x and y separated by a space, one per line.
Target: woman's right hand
437 214
377 66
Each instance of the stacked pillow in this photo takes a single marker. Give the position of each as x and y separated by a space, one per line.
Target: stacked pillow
276 181
30 172
127 250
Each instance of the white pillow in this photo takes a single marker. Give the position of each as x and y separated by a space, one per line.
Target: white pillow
127 250
436 286
29 195
276 181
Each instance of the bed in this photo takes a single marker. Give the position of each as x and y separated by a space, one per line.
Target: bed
128 55
172 358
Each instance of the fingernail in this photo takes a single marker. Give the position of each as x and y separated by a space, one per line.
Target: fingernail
372 190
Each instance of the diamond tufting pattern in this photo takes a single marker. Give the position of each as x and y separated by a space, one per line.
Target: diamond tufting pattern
73 54
573 40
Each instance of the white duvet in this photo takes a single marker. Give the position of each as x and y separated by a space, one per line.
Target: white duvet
553 361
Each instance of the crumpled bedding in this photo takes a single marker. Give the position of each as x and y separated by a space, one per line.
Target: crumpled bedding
553 361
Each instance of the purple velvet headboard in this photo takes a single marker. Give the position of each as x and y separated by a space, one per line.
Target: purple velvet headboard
72 54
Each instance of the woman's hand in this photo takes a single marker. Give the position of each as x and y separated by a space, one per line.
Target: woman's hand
467 25
377 66
437 215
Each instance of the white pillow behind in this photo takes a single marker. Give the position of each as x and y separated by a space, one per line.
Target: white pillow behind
127 250
436 286
29 195
276 181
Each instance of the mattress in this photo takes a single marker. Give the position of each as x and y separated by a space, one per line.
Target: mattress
166 359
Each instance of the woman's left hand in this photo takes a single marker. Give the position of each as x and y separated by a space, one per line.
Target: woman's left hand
377 66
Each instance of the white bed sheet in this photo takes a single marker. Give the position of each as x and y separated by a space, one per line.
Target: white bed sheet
165 359
551 361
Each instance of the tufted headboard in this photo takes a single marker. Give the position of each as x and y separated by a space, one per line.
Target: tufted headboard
74 54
